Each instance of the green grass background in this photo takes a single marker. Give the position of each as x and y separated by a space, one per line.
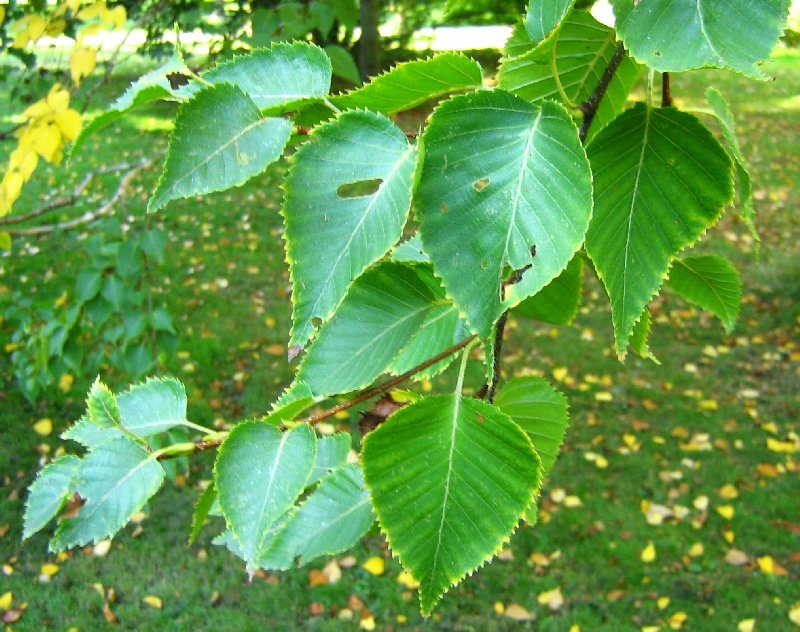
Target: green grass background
226 280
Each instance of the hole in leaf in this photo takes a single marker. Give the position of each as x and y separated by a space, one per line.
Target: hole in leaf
485 265
362 188
481 184
316 322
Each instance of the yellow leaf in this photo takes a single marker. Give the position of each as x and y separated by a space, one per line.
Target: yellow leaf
726 511
43 427
116 16
46 141
553 598
49 569
729 536
102 548
94 10
153 601
518 613
572 502
603 396
6 601
649 553
766 564
708 404
559 373
780 446
747 625
701 503
81 63
601 462
55 27
728 492
32 28
697 549
367 623
69 123
65 382
794 614
574 628
677 620
662 602
499 608
374 565
406 580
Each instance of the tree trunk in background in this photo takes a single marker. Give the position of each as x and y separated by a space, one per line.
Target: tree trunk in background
369 46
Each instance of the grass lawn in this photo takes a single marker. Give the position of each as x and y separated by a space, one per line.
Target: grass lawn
689 435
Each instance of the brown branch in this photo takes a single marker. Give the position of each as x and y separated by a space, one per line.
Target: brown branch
201 446
71 199
666 92
89 216
589 107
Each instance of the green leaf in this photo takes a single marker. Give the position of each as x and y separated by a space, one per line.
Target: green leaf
728 124
101 406
87 285
540 410
669 35
583 48
660 180
283 73
331 454
413 83
115 479
88 435
220 141
410 251
201 509
383 310
449 478
259 474
557 303
294 400
544 16
710 282
499 174
343 64
48 493
441 329
153 406
114 292
152 86
640 336
331 238
332 520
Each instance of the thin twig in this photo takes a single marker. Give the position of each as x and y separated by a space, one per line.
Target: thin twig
666 92
71 199
589 107
201 446
499 330
89 216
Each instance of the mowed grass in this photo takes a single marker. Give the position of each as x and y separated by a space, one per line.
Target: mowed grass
670 434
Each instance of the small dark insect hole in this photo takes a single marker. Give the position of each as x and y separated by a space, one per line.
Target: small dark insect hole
481 184
316 322
177 79
363 188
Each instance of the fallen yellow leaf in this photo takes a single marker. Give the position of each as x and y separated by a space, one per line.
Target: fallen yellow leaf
49 569
367 623
697 549
649 553
43 427
518 613
405 579
780 446
794 614
747 625
726 511
677 620
153 601
65 382
662 602
374 565
728 492
552 598
766 564
6 601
